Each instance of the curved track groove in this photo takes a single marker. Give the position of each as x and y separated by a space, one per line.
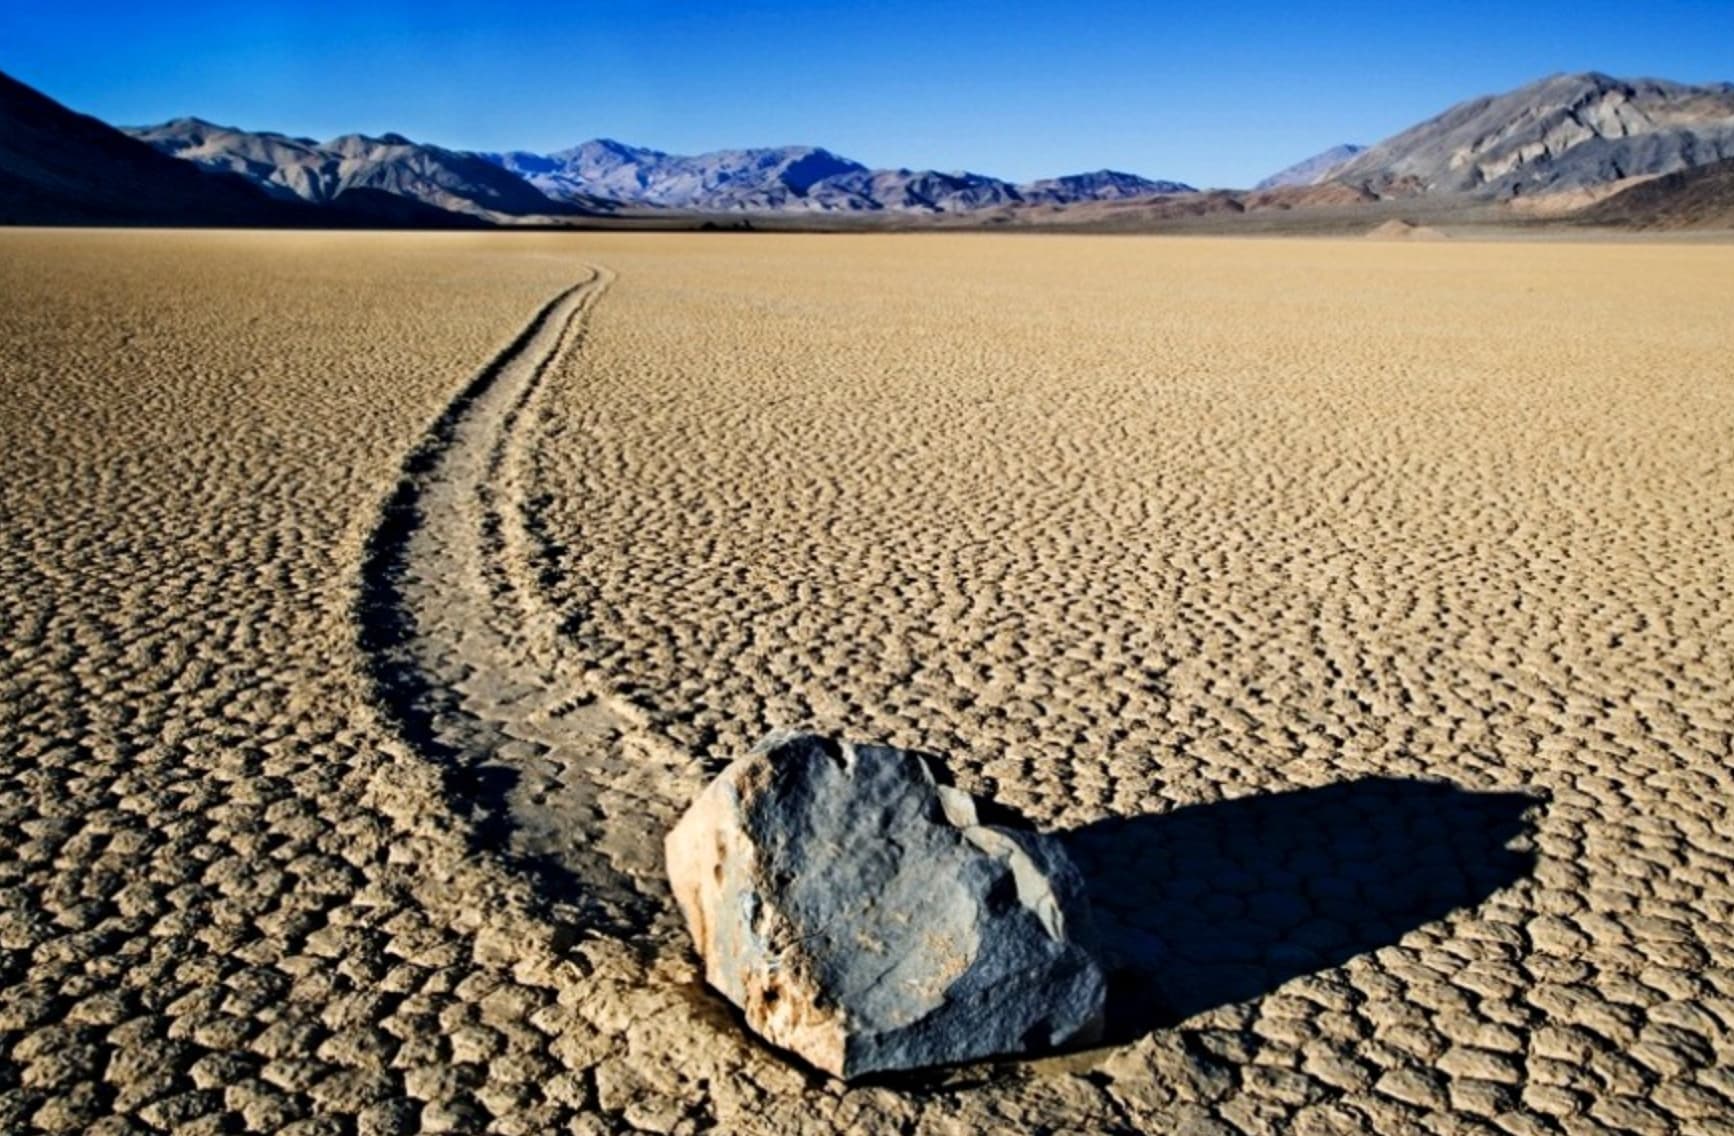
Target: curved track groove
464 660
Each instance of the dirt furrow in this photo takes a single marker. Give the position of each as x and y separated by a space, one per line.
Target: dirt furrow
465 662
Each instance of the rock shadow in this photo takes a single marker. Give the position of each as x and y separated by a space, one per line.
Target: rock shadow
1219 903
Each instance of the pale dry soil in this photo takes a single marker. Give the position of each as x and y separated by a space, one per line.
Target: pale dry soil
1361 615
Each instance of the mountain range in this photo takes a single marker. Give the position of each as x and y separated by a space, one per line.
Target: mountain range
603 176
1566 139
58 167
302 169
795 179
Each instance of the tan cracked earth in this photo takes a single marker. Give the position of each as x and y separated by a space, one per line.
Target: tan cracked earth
1361 615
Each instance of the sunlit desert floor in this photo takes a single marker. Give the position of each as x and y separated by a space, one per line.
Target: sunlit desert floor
1361 615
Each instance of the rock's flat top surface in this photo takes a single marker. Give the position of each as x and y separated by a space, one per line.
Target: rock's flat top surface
862 916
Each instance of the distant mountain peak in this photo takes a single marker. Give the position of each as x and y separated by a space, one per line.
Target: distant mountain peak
189 120
1312 170
1098 185
614 146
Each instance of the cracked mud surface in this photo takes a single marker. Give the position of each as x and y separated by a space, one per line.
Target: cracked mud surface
1361 616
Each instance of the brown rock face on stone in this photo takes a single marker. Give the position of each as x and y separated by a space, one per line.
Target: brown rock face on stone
862 918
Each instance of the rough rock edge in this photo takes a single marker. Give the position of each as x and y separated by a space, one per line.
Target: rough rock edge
787 1008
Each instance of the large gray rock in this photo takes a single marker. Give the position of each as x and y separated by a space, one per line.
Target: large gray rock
860 915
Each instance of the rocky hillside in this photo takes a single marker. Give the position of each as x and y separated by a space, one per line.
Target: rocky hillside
1565 132
1101 185
795 179
1313 170
758 179
321 172
1698 198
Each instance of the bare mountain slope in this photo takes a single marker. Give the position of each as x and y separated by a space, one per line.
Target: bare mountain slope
320 172
1313 170
1698 198
61 167
1564 132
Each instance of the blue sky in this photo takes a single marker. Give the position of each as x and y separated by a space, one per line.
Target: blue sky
1213 94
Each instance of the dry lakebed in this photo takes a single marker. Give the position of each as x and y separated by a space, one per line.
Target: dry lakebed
1358 616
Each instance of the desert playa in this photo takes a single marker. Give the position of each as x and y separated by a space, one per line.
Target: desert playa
1360 614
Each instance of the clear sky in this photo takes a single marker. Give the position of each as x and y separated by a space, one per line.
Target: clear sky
1209 93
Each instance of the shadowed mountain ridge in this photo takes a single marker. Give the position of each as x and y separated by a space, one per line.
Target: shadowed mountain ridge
60 167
